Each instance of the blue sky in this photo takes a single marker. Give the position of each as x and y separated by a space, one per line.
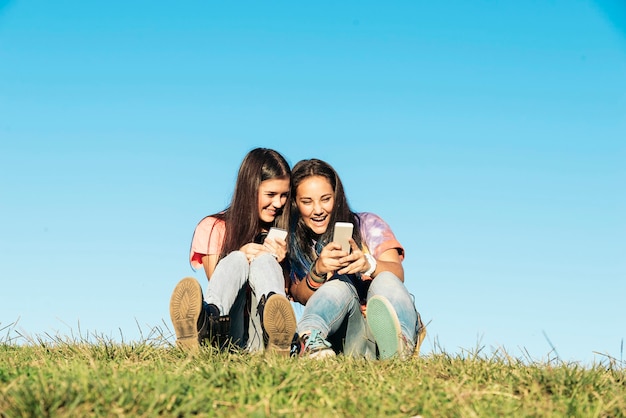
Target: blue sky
489 135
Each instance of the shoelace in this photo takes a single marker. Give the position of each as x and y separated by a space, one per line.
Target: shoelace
316 342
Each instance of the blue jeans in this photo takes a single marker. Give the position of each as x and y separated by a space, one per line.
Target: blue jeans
388 285
333 306
227 290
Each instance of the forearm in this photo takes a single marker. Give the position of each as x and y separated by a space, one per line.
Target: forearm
300 292
209 262
391 266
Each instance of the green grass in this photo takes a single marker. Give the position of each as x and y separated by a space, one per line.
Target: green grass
76 377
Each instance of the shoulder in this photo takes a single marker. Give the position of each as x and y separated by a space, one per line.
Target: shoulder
211 222
377 234
371 220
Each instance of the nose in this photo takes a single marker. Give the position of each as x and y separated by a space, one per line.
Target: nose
278 201
317 208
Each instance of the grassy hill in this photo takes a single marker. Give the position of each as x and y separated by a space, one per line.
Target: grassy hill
151 378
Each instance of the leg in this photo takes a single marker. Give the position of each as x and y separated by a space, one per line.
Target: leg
274 311
237 319
326 311
229 277
392 307
266 276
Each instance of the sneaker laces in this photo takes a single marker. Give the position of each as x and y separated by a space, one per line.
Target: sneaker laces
315 342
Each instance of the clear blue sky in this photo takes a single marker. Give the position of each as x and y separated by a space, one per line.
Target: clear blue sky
490 135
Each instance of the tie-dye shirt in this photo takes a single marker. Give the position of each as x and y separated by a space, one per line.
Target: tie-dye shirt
377 235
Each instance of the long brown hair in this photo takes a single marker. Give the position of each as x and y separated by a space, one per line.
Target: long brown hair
242 214
301 253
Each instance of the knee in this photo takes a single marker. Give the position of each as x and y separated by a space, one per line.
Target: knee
237 256
385 280
265 264
336 290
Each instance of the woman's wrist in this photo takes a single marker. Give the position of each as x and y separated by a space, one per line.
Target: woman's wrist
314 275
311 284
372 262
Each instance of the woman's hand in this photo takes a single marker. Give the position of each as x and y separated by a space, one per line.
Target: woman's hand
330 259
355 262
252 250
277 247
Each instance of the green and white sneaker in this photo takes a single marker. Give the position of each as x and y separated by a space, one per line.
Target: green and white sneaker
385 327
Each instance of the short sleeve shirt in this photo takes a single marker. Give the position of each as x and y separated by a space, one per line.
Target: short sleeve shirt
378 236
208 239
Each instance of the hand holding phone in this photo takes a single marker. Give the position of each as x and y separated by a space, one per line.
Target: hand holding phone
342 235
276 233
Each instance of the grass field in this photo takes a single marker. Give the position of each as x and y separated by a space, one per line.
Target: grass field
80 377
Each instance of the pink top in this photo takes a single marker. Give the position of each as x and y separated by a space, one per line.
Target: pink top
208 239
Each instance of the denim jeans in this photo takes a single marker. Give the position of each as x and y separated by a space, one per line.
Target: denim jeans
332 307
388 285
227 290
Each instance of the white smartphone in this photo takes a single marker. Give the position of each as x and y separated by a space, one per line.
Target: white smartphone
276 233
342 233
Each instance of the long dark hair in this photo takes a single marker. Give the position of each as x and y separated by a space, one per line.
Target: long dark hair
242 215
304 244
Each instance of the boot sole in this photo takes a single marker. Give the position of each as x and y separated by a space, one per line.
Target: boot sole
385 326
279 321
185 308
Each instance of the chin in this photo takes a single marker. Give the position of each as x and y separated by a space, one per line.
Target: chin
268 219
318 230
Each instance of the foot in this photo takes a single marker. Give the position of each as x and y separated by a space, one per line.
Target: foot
213 328
185 311
385 327
312 345
279 322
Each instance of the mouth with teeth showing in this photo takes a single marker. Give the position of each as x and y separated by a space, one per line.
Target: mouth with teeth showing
318 224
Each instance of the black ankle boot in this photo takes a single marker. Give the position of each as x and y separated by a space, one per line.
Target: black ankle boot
213 327
260 308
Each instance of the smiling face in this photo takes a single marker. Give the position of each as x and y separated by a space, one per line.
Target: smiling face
272 198
315 199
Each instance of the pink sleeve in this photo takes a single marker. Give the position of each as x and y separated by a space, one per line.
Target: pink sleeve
207 239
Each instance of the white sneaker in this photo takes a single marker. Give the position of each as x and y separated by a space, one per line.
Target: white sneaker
312 345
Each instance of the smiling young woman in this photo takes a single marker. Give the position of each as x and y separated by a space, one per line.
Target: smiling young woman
339 288
241 265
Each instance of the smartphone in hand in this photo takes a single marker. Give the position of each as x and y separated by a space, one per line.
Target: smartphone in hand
342 234
276 233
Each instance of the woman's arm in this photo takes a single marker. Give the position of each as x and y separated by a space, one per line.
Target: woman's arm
388 261
357 262
209 262
300 292
302 289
